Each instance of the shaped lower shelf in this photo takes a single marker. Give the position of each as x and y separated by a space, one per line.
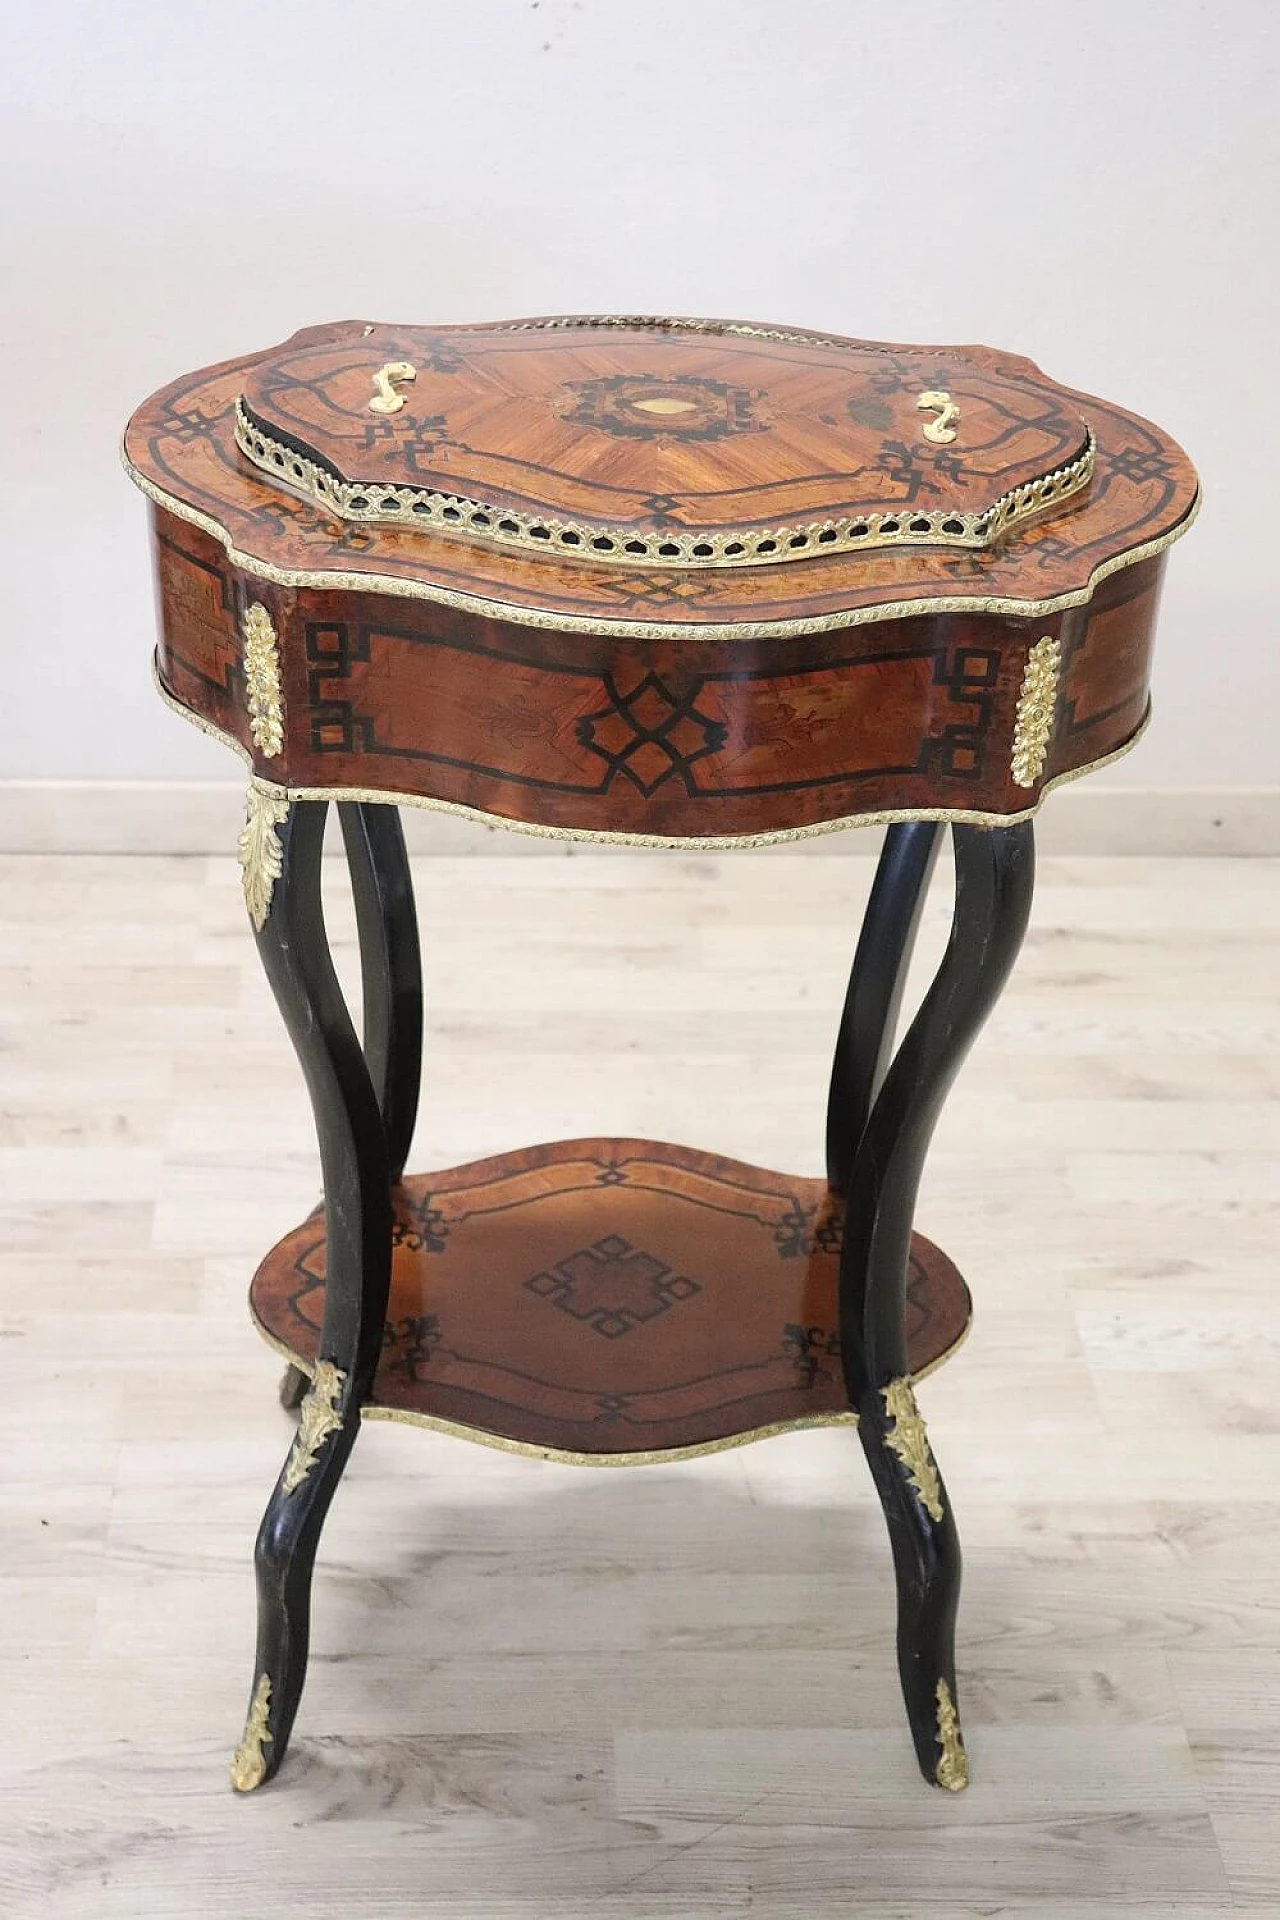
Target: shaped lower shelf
609 1302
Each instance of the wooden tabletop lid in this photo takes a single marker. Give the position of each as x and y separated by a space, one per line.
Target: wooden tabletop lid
647 474
624 445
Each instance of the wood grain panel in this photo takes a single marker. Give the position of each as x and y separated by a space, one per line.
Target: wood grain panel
681 739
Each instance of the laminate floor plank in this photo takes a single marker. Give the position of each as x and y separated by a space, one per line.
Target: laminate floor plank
667 1694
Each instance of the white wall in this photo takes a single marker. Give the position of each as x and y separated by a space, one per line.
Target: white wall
1092 182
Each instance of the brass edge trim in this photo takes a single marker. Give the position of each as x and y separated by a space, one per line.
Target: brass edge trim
689 323
278 1346
197 720
607 543
405 589
658 1457
947 1353
689 843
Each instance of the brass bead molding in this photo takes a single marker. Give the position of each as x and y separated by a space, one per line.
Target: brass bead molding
248 1762
318 1417
1033 718
953 1767
258 850
262 680
909 1440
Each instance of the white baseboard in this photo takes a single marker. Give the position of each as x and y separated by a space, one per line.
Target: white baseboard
204 817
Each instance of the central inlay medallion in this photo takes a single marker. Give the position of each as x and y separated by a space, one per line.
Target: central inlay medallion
651 734
612 1286
642 405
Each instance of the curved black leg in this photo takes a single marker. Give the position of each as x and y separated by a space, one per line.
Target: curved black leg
353 1153
876 984
390 967
391 980
994 878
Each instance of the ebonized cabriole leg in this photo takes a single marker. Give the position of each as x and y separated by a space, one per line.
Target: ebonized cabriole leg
391 978
353 1153
870 1016
390 967
994 878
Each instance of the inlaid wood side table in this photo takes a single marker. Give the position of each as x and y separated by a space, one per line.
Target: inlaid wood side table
676 583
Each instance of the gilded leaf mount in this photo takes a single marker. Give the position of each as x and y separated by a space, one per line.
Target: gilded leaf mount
1033 719
259 850
248 1762
318 1417
909 1440
953 1765
262 680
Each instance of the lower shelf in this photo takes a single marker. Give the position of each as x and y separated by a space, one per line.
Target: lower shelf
609 1301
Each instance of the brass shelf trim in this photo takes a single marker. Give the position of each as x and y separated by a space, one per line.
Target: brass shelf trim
656 1457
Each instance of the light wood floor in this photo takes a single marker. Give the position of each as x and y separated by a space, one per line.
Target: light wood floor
540 1691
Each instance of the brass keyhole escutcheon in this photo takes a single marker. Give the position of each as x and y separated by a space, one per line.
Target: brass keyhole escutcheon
939 431
385 398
